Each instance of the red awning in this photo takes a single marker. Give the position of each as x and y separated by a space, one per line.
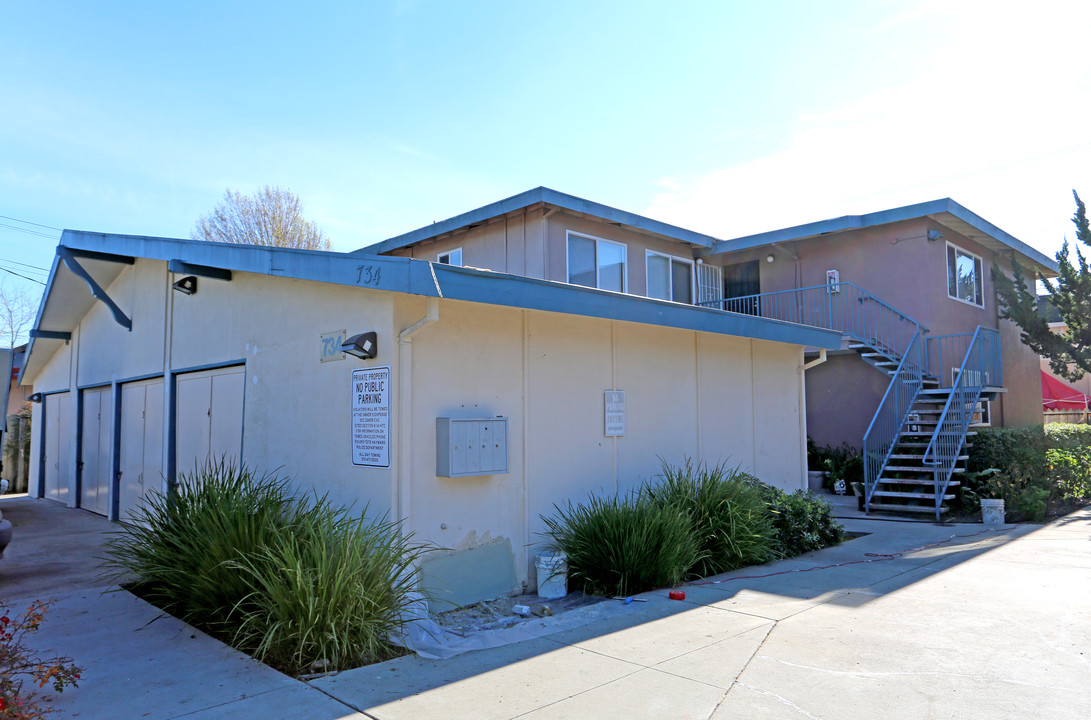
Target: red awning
1056 395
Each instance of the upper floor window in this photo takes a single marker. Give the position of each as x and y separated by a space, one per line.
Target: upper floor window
597 263
451 257
964 276
669 278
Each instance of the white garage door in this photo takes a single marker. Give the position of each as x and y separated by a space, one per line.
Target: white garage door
141 460
96 445
57 466
209 421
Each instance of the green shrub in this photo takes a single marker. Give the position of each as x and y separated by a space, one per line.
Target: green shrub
1070 469
1004 448
801 522
725 509
622 546
1067 436
329 588
1025 492
293 581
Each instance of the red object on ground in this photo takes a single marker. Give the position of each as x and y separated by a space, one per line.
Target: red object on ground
1058 396
677 594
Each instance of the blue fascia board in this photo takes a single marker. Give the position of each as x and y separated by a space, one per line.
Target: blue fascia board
875 219
533 197
419 277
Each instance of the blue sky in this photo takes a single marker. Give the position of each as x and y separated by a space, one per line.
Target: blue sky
726 118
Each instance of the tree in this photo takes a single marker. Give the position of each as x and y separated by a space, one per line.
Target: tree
18 308
1069 353
271 216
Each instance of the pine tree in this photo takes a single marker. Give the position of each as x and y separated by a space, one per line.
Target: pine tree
1069 353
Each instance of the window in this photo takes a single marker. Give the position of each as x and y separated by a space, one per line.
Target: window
452 257
964 276
669 278
596 263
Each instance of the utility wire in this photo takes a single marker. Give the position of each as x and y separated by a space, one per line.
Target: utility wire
16 262
27 222
28 232
22 276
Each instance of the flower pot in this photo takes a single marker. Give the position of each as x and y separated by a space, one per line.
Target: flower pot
992 512
815 480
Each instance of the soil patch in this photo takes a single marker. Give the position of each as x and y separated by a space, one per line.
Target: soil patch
502 612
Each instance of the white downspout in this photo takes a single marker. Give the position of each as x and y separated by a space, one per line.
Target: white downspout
402 484
802 369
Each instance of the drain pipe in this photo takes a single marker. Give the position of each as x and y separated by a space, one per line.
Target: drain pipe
802 369
400 503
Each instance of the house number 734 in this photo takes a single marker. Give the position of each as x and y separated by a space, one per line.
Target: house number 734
368 275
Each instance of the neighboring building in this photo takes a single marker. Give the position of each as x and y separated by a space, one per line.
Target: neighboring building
151 355
1063 400
878 277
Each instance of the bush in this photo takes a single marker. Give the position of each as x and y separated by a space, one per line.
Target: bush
1070 469
1004 448
1068 436
293 581
726 512
801 522
622 546
18 663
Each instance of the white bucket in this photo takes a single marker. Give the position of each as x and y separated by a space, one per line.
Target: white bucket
992 512
552 575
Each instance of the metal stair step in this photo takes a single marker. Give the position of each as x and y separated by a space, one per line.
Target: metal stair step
894 507
919 457
909 495
913 481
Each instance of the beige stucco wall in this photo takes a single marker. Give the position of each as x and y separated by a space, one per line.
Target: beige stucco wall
688 395
694 395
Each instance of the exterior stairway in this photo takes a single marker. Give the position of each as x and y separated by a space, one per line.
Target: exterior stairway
917 438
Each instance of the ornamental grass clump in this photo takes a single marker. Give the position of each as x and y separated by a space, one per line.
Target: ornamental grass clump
727 513
293 581
622 546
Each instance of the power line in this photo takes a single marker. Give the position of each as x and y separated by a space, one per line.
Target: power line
28 232
27 222
32 267
22 276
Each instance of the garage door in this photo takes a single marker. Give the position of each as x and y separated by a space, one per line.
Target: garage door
96 444
141 461
209 420
57 466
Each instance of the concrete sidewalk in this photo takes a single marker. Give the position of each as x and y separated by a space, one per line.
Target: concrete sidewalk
987 624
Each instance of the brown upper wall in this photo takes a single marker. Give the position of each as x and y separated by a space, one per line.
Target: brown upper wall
534 243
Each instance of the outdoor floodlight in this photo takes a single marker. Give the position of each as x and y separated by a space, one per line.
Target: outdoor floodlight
187 285
35 398
364 346
935 235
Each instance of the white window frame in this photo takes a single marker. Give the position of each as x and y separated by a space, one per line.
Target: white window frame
448 254
672 258
598 268
979 267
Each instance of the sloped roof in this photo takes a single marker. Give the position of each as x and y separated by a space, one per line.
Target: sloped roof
944 211
68 296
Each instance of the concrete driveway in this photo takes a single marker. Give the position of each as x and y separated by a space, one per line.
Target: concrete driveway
911 620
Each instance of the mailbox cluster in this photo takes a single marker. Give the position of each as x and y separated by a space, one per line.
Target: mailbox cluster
466 447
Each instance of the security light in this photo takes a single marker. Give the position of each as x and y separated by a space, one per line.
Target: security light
35 398
187 285
934 235
364 346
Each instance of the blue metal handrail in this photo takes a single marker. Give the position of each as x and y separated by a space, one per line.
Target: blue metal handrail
843 307
981 367
882 434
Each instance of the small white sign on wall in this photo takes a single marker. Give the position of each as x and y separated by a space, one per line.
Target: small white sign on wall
614 406
371 417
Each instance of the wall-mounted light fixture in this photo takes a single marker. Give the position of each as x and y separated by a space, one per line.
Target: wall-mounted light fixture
35 398
934 235
769 258
187 285
364 346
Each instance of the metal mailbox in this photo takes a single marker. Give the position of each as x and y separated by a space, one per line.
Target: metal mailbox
466 447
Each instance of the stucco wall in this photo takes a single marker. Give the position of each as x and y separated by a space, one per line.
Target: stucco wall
899 265
694 395
688 395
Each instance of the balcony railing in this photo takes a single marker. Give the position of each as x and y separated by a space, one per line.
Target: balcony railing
838 306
